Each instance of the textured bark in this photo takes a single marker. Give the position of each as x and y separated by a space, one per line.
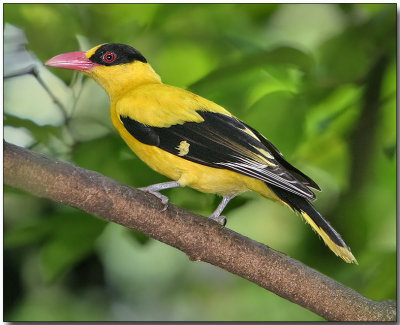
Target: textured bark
200 238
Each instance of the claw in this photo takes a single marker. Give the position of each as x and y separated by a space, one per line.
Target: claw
220 219
154 189
164 199
216 215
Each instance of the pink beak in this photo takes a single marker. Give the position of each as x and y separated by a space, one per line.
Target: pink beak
72 60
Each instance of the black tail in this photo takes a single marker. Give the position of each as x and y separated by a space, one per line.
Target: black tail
330 236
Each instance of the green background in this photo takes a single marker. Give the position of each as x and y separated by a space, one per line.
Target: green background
318 80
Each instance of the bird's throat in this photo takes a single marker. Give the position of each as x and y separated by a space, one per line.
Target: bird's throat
118 80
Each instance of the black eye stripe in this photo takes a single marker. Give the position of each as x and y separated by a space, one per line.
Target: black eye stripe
114 54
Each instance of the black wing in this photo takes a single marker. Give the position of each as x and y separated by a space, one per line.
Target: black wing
222 141
279 157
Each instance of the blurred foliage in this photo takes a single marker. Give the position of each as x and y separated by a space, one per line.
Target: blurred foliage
319 80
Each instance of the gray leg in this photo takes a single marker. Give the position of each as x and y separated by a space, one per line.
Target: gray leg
216 215
155 188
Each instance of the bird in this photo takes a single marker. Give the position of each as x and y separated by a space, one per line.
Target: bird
194 141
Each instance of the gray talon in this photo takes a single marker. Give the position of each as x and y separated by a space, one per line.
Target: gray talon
220 219
216 215
155 188
164 199
223 221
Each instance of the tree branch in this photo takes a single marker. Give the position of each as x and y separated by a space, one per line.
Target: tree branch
200 238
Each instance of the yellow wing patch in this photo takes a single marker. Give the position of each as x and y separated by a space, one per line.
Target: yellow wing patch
266 154
249 132
183 148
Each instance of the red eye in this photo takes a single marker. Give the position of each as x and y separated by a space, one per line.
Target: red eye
109 57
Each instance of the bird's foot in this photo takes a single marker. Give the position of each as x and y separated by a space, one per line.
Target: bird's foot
155 188
164 199
218 218
216 215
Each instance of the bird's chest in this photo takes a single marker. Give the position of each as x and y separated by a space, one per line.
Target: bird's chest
157 159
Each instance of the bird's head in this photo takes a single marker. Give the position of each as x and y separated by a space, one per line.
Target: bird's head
116 67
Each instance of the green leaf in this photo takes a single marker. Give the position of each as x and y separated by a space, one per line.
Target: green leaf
73 237
26 235
140 237
112 157
280 117
284 55
41 133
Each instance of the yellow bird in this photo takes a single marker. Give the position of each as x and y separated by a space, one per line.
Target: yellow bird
194 141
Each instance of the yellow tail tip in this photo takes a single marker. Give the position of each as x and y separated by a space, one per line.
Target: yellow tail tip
343 252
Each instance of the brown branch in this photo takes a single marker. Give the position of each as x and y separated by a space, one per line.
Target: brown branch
200 238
